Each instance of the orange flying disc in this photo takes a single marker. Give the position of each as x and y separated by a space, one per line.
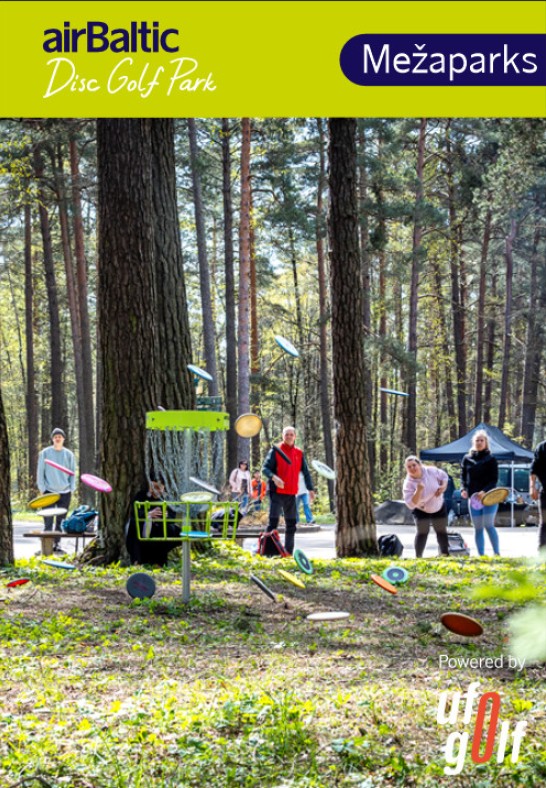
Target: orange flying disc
461 624
384 584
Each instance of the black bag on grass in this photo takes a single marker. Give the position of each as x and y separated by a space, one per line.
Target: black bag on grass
270 545
390 545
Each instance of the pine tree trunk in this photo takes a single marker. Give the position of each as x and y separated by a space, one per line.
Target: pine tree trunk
58 405
176 390
533 344
480 336
507 345
31 395
231 329
88 451
325 381
255 371
204 275
244 284
127 315
6 524
356 533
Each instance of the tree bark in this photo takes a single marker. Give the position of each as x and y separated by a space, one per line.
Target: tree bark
244 284
31 395
356 533
507 345
231 330
6 524
480 336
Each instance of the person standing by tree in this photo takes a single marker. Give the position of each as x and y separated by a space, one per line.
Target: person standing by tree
283 484
303 500
53 480
479 474
538 473
239 483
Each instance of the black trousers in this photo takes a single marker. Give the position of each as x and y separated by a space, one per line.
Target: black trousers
423 521
64 503
285 504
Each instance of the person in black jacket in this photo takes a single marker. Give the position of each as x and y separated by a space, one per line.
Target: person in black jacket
144 551
479 473
538 473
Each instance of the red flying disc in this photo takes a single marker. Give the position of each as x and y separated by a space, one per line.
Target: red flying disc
21 581
461 624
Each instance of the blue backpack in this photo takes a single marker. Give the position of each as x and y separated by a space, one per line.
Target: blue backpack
79 520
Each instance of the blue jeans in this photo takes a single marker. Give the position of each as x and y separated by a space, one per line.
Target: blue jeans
304 499
485 519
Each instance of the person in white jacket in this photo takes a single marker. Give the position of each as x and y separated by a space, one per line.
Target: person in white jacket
239 483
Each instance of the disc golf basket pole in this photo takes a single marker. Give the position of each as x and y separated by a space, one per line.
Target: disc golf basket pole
180 444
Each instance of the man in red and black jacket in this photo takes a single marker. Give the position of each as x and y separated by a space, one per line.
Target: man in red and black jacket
283 484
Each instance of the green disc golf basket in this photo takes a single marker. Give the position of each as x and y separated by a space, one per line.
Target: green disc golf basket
181 444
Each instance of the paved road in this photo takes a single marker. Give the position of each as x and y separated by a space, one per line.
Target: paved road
514 542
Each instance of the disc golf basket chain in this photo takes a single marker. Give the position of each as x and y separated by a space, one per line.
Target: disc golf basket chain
184 443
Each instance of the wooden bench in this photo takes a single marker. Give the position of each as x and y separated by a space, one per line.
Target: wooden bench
47 538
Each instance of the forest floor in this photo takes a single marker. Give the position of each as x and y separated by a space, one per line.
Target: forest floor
101 691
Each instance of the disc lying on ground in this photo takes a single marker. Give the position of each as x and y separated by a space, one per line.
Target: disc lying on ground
44 500
291 578
328 615
262 586
496 495
384 584
287 346
461 624
248 425
204 485
140 586
395 574
302 561
196 497
200 373
59 564
96 483
323 470
60 467
21 581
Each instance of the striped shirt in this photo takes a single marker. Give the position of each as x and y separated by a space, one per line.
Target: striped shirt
432 478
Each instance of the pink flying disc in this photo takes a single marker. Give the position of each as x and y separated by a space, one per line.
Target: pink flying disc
96 483
475 502
60 467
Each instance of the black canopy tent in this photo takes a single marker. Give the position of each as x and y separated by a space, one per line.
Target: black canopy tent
500 445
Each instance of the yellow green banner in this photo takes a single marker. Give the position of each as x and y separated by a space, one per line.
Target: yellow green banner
211 59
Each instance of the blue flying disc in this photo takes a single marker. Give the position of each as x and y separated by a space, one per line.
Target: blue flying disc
287 346
393 391
395 575
201 373
59 564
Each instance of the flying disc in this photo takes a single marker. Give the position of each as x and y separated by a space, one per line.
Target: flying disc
201 373
475 502
461 624
496 495
323 470
160 407
291 578
262 586
59 564
395 575
196 497
100 485
140 585
21 581
396 393
287 346
248 425
302 561
280 452
60 467
328 615
196 534
384 584
44 500
54 511
204 485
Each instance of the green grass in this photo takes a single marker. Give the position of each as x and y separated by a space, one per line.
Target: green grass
234 690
